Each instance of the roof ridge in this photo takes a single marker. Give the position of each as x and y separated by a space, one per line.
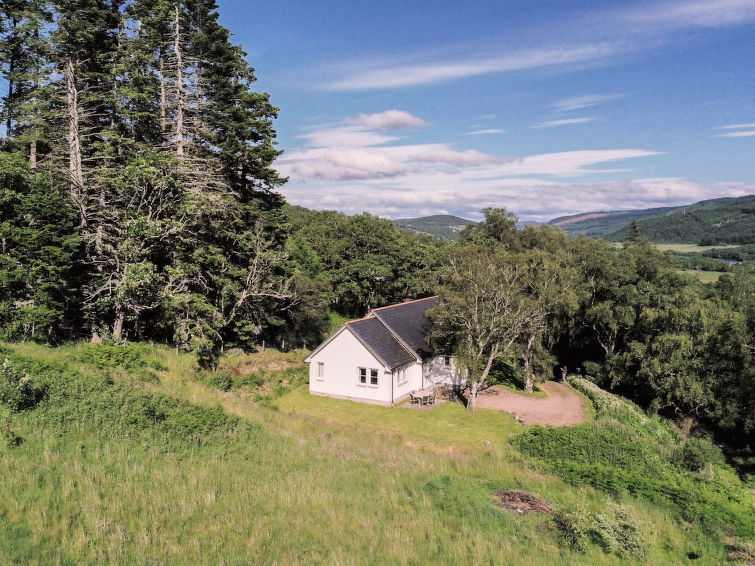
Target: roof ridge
360 319
404 303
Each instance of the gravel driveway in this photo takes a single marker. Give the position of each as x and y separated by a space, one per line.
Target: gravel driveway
563 406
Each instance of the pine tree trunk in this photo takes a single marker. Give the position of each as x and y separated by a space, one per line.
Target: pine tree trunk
180 88
163 94
33 154
75 169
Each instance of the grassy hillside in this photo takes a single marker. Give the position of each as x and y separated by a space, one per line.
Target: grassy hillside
442 226
711 222
129 456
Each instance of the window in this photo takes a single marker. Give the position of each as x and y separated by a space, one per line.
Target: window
446 361
363 376
320 370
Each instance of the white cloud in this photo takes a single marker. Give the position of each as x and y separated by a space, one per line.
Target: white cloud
570 163
529 199
341 164
469 158
736 126
584 101
415 179
484 132
564 122
743 134
345 136
398 75
388 120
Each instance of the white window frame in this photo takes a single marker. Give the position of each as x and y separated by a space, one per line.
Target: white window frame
362 376
373 377
320 371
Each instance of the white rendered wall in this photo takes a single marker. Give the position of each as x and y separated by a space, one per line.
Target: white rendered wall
438 373
413 381
343 356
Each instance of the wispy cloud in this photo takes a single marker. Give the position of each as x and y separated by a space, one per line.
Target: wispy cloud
621 31
584 101
485 132
468 158
563 122
388 76
388 120
695 13
345 136
736 126
743 134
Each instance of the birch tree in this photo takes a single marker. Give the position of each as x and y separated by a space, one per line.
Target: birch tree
483 311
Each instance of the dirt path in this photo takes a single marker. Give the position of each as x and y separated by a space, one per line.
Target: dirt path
561 407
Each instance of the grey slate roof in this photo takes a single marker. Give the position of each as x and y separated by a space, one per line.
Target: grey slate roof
397 332
408 321
373 334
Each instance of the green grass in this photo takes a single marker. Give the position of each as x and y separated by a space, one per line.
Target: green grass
336 320
704 276
104 477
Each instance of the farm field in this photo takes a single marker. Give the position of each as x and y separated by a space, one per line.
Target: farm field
690 248
704 276
137 459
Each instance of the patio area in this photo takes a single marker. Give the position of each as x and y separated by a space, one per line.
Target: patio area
424 399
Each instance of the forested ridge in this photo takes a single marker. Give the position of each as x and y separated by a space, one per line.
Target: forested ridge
708 222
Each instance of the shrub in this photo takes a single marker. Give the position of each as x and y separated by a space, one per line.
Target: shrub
574 529
618 531
104 355
221 381
696 453
9 435
17 390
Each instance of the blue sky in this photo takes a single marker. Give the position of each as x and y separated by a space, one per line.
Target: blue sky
547 108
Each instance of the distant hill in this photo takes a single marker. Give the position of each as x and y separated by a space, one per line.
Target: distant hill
600 224
715 221
442 226
708 222
445 226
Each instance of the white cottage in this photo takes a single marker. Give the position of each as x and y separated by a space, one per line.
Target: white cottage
380 358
